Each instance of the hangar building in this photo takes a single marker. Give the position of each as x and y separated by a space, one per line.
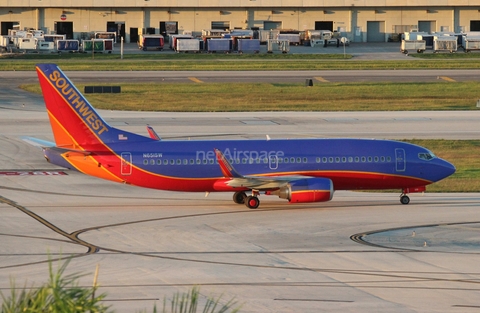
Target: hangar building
358 20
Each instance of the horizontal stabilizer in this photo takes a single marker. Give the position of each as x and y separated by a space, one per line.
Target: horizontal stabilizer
38 142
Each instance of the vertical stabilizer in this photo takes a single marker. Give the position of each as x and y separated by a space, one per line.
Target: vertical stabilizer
75 123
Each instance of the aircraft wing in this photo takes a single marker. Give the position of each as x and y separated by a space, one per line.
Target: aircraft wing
263 182
250 181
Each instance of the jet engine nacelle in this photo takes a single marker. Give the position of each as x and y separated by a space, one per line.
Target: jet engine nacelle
307 190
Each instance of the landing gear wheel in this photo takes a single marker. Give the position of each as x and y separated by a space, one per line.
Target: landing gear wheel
404 199
252 202
239 197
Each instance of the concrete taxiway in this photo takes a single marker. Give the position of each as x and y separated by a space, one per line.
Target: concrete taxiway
361 252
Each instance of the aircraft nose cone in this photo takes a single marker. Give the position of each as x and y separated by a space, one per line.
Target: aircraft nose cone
447 168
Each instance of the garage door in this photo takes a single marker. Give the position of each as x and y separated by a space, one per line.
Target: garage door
375 31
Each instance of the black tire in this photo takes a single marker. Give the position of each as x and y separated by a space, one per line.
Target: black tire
239 197
404 199
252 202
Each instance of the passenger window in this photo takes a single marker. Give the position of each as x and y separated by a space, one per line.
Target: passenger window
350 159
305 160
179 161
185 161
292 160
159 162
145 162
286 160
389 159
370 159
337 159
165 162
364 159
211 161
324 159
382 159
205 161
330 159
172 162
357 159
299 160
344 159
376 159
317 160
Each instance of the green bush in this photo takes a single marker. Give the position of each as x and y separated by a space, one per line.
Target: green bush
61 294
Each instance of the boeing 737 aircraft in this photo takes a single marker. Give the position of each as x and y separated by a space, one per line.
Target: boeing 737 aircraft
299 170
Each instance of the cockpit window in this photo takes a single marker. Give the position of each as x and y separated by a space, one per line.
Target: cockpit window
427 156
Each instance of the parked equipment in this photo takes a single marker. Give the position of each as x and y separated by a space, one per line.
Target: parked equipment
151 42
219 45
278 45
444 43
413 45
187 45
252 45
68 45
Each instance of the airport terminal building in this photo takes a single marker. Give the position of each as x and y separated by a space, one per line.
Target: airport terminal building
358 20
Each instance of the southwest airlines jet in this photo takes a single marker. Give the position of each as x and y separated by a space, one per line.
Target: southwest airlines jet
298 170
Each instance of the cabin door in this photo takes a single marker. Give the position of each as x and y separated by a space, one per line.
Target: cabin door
126 166
273 162
400 162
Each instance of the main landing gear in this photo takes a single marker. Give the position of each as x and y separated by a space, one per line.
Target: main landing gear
252 202
404 199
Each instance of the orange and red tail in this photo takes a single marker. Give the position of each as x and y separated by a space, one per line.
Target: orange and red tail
75 123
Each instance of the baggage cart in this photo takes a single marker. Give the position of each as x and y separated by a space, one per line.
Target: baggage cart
413 45
68 45
470 43
188 45
444 43
278 45
219 45
248 45
151 42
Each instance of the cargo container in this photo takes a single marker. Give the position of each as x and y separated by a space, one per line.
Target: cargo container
219 45
294 39
187 45
413 45
45 46
278 45
263 36
173 40
68 45
97 45
54 38
26 43
151 42
252 45
444 43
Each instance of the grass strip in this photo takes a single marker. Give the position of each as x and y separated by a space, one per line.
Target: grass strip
225 97
235 63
